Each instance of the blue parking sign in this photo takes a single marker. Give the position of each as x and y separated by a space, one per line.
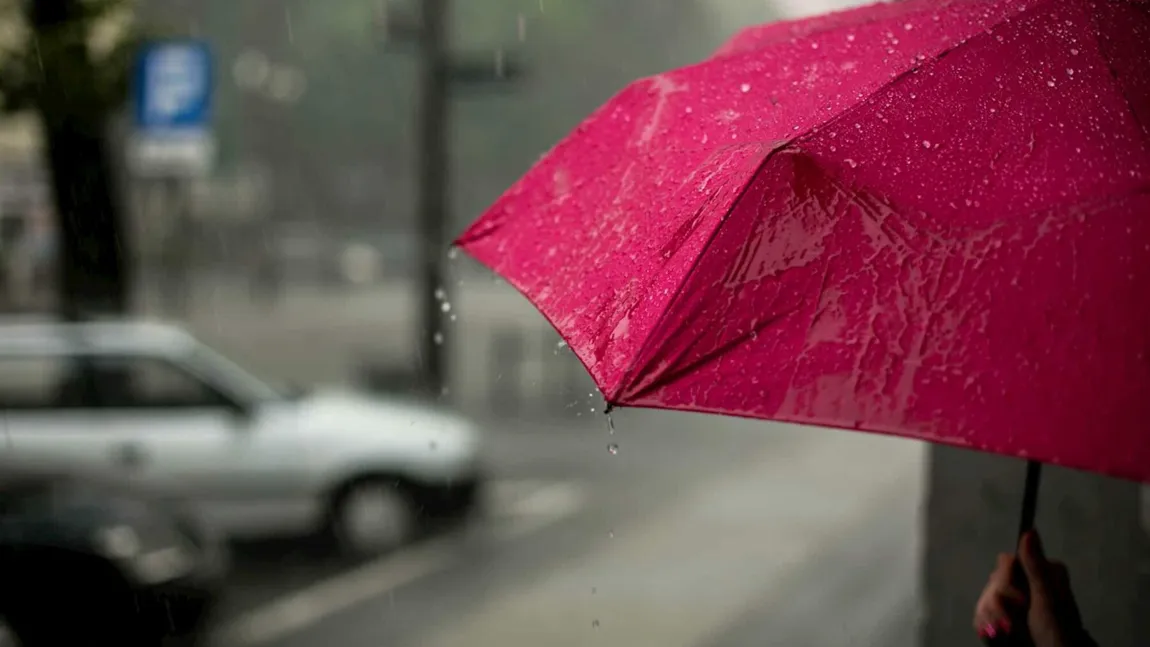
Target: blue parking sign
173 87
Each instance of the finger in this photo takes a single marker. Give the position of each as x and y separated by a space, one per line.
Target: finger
1034 563
1003 571
995 604
1011 597
991 619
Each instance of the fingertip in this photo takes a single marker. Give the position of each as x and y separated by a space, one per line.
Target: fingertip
1032 542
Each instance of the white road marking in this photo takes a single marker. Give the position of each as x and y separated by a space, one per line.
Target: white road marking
300 609
540 509
516 508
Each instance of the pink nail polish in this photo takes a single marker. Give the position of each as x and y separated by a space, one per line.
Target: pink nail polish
988 631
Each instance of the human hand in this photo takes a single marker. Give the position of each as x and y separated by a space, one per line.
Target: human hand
1037 595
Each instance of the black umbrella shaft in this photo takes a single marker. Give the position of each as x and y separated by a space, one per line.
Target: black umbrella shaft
1030 497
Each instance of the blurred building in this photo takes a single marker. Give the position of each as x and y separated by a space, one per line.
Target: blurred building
27 231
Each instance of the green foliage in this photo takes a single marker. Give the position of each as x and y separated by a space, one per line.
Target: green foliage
82 66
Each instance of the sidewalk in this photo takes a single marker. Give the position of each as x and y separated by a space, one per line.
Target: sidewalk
753 539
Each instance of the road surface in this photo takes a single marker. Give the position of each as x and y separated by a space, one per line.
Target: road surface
698 532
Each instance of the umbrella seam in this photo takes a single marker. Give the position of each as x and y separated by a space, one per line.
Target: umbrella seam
1095 34
628 375
852 108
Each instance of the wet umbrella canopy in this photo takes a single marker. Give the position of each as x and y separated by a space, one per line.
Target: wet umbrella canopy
926 220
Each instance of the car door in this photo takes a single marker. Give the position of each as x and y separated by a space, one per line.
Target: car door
42 421
174 431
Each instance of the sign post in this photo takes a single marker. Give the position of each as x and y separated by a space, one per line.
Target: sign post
172 142
172 95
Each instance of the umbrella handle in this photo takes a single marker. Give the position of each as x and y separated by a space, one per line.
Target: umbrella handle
1025 525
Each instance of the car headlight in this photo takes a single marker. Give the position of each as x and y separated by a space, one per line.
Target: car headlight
153 556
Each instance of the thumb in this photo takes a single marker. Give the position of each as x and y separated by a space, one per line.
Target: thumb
1034 563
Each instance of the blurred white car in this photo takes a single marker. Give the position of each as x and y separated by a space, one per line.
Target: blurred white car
153 402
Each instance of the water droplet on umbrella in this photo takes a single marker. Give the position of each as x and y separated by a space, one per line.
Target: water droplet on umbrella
1050 83
613 448
1074 51
814 45
746 87
908 26
1070 71
850 38
851 163
926 143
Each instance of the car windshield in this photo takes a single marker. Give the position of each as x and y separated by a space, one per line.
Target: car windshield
237 378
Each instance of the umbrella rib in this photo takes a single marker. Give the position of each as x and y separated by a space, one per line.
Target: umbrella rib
629 376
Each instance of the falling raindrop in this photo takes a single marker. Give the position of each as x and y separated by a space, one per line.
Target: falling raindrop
438 338
594 590
611 534
595 623
440 294
522 28
445 306
746 87
613 448
610 424
453 253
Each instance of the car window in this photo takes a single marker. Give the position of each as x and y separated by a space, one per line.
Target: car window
150 383
30 382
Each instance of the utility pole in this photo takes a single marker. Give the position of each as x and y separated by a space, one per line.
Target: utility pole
432 201
93 272
441 72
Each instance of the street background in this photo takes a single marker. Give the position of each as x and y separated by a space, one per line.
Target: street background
300 254
698 531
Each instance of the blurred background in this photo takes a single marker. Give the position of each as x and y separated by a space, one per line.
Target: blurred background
297 223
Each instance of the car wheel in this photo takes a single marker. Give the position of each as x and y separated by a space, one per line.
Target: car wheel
371 517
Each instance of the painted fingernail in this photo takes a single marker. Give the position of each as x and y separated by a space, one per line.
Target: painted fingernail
988 631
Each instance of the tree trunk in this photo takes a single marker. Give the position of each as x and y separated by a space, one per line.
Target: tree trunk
93 275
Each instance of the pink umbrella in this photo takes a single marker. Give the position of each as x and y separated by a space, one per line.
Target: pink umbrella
924 220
